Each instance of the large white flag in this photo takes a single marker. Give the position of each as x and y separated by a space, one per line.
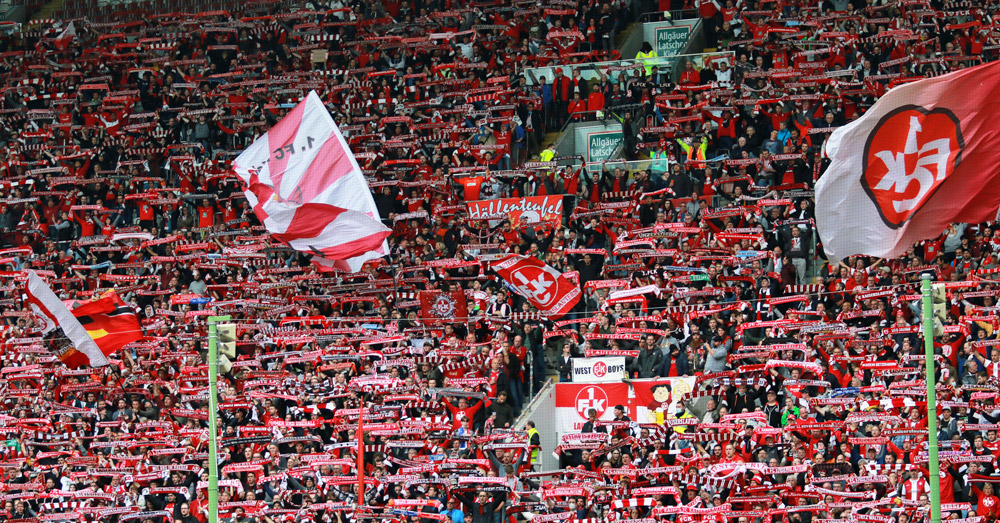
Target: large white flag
923 156
304 184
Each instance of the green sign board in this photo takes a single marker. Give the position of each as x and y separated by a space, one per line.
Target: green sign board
601 145
671 40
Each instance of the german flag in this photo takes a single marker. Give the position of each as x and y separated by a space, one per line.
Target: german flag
110 322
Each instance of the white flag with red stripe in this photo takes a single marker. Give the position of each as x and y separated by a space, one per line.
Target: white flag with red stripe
305 185
66 37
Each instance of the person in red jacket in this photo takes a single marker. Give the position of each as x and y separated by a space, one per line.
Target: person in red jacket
560 96
690 76
147 215
987 504
595 100
462 410
725 133
577 106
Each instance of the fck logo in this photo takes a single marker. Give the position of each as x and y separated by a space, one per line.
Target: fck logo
535 284
908 155
591 398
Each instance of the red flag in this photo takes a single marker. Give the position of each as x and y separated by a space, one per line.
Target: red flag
437 308
923 156
109 322
546 288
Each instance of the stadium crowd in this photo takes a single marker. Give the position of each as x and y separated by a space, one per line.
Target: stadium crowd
808 406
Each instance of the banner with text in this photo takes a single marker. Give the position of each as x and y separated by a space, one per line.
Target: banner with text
531 209
602 145
668 38
648 401
598 370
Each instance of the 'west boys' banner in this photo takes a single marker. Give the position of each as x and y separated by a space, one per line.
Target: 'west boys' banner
546 288
923 156
573 400
437 307
304 184
598 370
531 209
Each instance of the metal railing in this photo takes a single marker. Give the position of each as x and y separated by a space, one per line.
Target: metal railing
591 71
610 114
630 166
542 404
662 16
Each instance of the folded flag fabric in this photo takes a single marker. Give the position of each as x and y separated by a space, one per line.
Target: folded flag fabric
546 288
110 322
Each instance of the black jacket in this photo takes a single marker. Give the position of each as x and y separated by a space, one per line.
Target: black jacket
565 368
481 512
504 412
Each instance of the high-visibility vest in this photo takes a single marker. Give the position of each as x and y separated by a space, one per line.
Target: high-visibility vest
547 155
694 153
659 163
534 452
645 58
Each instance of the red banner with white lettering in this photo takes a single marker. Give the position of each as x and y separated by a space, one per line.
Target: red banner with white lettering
531 209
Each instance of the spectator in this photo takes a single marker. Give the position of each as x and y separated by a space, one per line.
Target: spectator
565 364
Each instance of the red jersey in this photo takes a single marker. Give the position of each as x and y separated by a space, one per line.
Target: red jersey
206 216
145 212
472 186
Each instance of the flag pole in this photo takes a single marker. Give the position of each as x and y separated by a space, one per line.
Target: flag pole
361 453
213 409
361 457
932 443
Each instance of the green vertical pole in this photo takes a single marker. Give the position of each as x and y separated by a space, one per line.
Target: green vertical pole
932 442
213 409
